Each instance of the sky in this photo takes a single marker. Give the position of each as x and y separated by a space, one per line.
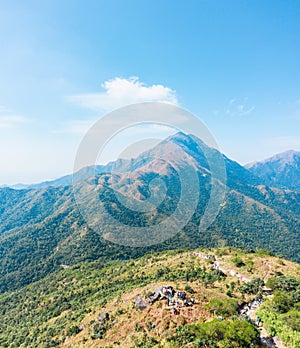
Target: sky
64 64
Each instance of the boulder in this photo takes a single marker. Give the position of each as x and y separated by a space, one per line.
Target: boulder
140 303
103 317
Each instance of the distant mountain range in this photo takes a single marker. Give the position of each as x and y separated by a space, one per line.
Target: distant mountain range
41 228
282 170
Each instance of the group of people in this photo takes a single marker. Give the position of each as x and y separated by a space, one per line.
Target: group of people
177 299
251 306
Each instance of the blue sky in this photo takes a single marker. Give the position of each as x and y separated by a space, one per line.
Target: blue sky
63 64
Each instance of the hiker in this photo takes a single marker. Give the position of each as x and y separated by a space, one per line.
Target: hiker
174 310
258 321
186 302
168 302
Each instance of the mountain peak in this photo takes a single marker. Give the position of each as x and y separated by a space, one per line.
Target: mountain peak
281 170
285 157
180 137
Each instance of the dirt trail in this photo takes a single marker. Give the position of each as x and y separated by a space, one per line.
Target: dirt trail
272 342
232 272
268 271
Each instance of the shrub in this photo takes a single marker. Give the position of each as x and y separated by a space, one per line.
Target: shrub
225 308
137 327
73 330
252 287
237 261
217 334
283 283
99 330
221 252
281 302
189 289
292 319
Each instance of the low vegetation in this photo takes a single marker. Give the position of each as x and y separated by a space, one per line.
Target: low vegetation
281 313
65 308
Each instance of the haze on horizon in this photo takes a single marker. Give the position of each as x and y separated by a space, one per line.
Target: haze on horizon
65 64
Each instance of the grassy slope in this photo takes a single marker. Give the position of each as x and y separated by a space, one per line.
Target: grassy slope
45 313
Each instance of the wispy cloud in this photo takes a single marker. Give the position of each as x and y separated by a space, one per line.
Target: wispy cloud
239 107
9 119
119 92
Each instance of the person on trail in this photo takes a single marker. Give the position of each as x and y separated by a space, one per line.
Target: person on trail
258 321
174 310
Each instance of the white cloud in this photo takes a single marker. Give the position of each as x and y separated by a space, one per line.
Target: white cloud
119 92
9 119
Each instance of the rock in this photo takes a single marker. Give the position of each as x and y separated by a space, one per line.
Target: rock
140 303
161 292
104 316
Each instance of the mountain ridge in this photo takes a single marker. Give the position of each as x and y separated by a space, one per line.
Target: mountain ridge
281 170
36 223
286 158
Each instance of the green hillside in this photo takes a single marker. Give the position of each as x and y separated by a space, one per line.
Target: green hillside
42 229
64 308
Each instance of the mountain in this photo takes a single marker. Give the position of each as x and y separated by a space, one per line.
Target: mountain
189 144
67 180
42 229
281 170
97 304
15 186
